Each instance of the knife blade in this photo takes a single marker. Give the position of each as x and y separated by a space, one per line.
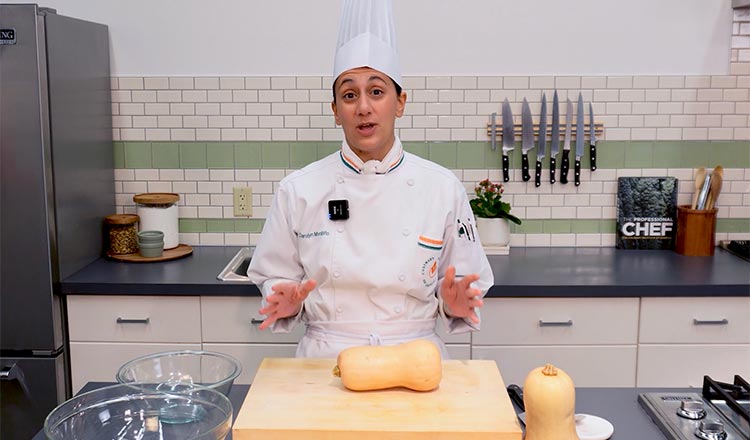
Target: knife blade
580 134
555 147
527 138
541 148
509 137
565 166
592 138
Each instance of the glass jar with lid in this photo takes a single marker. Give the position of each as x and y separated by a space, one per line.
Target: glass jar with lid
121 229
158 212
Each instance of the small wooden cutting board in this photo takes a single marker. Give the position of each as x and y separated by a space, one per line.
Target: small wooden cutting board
301 399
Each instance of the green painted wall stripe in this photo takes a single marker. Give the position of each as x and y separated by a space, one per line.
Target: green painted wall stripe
535 226
461 155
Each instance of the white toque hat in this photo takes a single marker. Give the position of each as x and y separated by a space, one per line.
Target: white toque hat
367 37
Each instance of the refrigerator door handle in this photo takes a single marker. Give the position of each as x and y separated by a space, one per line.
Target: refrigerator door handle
13 372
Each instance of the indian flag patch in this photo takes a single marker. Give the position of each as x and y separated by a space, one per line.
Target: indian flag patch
430 243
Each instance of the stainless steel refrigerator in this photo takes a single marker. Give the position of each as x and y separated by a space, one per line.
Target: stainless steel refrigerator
56 185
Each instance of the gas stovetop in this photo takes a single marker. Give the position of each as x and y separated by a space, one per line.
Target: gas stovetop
720 412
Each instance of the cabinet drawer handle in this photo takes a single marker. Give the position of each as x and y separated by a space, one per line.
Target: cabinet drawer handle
256 321
133 321
724 321
568 323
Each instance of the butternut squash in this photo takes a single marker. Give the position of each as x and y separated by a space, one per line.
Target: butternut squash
416 365
549 397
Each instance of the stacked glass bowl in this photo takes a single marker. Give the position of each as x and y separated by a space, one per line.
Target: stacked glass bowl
178 395
151 243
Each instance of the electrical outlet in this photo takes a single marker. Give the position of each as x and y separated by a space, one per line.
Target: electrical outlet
243 201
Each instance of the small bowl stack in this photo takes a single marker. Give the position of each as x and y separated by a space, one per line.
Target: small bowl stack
151 243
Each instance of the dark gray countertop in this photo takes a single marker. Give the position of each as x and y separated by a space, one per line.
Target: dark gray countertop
526 272
618 405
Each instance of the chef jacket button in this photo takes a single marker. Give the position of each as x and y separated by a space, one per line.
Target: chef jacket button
402 277
340 229
405 231
339 310
397 309
340 179
410 182
336 274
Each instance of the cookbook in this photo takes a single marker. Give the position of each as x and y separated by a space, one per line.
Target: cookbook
646 212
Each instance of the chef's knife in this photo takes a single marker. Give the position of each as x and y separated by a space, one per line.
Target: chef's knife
592 138
542 145
509 137
565 166
579 139
555 147
527 138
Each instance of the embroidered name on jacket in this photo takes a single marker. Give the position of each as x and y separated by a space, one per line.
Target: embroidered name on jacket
306 235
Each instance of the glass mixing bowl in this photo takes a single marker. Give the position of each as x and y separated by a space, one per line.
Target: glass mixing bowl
177 370
129 412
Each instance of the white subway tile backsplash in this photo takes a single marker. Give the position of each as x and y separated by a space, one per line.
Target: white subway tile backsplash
245 95
283 134
207 83
658 94
646 82
231 83
184 187
181 83
169 96
208 134
723 82
233 134
516 82
620 82
671 82
439 82
182 134
159 83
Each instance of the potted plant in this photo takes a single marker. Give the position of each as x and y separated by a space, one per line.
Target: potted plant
492 214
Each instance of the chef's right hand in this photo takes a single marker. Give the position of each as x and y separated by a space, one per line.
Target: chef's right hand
285 301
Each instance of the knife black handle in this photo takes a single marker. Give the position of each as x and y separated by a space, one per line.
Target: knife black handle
525 167
592 152
538 174
552 170
565 166
577 172
506 164
516 396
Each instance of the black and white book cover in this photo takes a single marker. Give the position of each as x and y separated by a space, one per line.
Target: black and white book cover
646 212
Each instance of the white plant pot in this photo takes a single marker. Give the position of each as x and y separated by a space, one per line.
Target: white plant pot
493 231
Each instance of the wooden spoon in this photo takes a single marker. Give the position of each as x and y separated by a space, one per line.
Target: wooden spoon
717 178
700 177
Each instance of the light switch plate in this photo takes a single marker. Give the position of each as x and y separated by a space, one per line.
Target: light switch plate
243 201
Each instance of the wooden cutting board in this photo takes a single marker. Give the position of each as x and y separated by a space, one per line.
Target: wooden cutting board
301 399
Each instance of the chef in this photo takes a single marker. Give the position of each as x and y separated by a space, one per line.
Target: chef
370 245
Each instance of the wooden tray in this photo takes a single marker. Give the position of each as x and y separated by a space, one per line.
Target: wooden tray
301 399
180 251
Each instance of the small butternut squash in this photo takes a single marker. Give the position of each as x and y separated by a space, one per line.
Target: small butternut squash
416 365
549 397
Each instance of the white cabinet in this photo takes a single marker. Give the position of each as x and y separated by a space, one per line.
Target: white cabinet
230 325
593 339
682 339
106 331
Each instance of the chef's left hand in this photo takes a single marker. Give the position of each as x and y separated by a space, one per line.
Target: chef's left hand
459 297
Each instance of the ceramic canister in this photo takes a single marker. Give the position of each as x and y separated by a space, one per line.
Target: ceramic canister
158 212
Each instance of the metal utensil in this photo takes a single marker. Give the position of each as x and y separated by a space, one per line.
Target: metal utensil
700 177
555 147
565 166
493 131
592 138
703 195
509 138
527 138
579 140
542 145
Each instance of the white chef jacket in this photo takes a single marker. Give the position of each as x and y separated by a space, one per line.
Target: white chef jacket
377 272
